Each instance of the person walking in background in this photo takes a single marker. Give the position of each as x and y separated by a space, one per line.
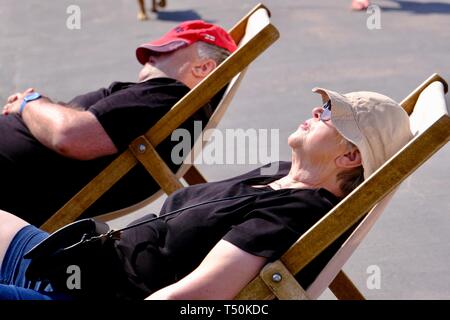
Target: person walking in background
142 13
360 5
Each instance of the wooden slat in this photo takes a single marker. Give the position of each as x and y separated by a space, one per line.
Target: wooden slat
193 176
344 289
91 192
155 165
349 211
287 288
255 290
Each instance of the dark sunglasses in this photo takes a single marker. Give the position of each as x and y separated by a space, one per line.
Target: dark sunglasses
326 112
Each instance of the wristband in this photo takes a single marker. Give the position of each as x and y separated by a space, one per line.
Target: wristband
29 97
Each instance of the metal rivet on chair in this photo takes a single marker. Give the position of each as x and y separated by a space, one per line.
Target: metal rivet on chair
276 277
142 148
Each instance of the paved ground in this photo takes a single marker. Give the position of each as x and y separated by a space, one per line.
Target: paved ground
322 43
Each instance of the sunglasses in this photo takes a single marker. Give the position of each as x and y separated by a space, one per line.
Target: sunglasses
326 112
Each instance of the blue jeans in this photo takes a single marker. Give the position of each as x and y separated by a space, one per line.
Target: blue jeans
14 285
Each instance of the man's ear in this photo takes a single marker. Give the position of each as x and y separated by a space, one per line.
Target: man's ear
348 160
203 68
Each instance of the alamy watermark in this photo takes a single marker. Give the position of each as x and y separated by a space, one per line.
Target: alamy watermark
73 281
374 279
234 146
373 22
73 21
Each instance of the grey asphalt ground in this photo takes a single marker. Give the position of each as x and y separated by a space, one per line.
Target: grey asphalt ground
322 43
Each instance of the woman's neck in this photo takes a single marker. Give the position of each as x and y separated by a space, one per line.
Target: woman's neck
304 176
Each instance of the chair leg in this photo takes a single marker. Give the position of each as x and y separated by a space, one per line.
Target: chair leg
193 176
344 289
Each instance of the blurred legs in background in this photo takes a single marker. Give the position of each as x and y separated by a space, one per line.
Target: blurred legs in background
142 13
360 4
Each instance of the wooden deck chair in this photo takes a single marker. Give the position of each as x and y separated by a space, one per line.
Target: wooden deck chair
431 125
254 34
188 171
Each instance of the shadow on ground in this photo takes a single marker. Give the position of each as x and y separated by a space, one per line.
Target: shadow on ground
420 7
179 16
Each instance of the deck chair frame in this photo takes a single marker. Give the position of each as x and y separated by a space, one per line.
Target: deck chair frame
276 280
142 149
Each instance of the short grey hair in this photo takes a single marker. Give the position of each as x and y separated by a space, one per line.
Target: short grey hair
210 51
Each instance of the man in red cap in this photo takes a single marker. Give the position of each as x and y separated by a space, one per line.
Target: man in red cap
66 145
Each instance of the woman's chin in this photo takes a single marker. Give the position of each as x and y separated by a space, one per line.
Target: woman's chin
295 140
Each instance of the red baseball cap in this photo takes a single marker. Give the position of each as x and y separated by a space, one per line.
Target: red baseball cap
184 35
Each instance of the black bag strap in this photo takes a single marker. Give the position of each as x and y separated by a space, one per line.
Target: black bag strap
190 207
89 230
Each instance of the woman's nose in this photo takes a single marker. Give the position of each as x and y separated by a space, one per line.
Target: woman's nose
316 112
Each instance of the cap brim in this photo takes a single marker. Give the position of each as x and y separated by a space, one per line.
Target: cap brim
144 51
341 114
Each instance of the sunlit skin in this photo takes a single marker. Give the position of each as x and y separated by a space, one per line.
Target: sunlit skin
183 64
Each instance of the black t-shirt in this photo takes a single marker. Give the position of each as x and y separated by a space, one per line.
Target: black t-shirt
265 224
36 181
127 110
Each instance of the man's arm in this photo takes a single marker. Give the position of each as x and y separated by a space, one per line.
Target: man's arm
221 275
70 132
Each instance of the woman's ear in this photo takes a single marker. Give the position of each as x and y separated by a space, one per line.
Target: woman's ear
203 68
348 160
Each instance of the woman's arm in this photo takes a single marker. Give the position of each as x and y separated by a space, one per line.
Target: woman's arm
221 275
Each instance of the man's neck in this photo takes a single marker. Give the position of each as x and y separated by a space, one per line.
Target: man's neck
153 77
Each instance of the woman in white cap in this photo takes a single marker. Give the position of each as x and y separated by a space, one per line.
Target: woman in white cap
213 238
